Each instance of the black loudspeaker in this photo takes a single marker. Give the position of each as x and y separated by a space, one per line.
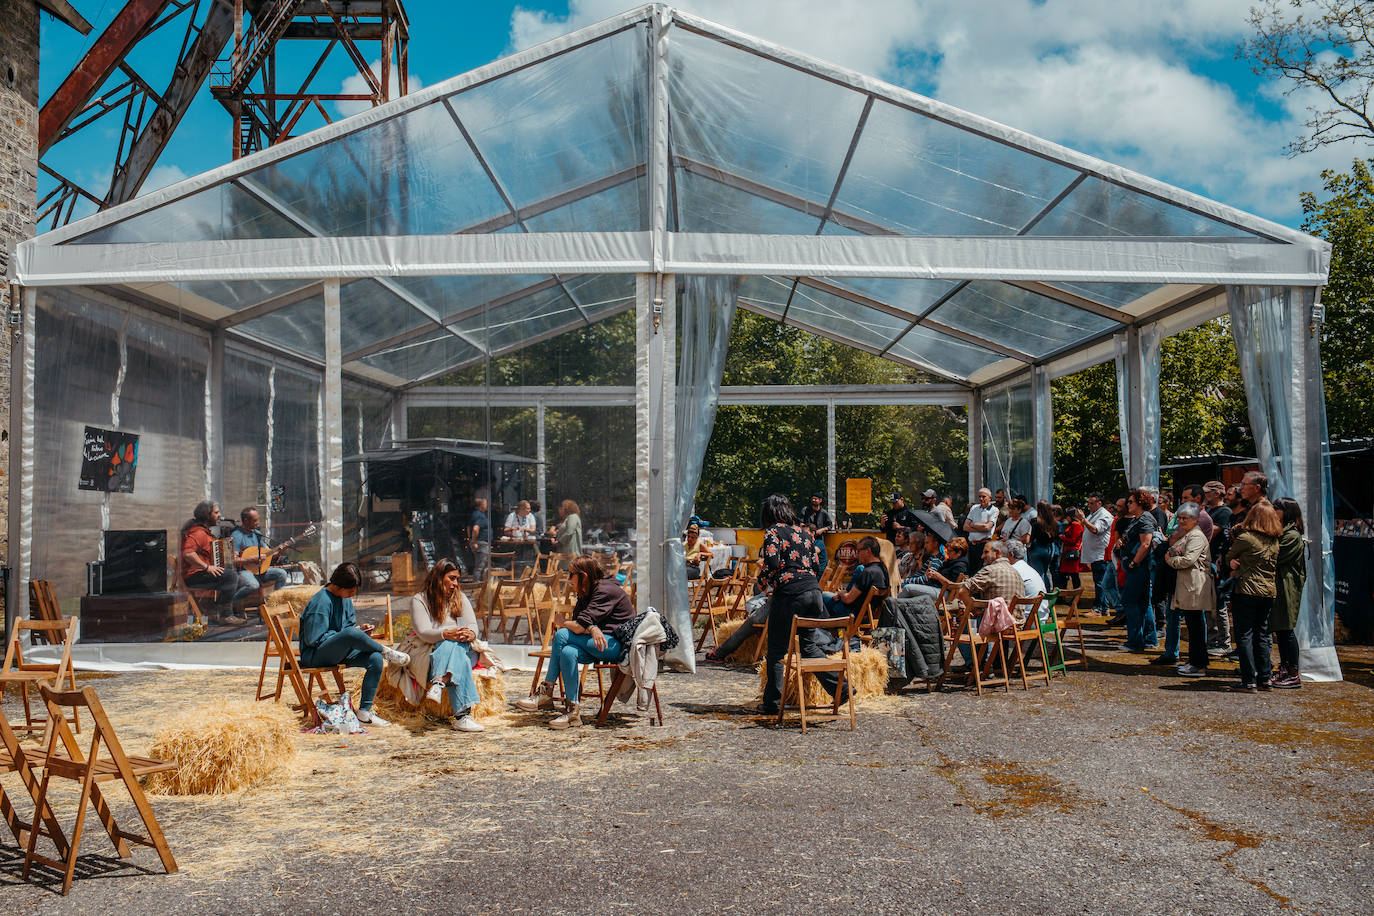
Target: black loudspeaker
135 561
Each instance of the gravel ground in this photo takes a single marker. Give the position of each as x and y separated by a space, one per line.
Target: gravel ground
1119 789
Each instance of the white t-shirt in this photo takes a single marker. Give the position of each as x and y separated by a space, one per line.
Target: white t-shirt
1034 584
1097 531
980 516
524 526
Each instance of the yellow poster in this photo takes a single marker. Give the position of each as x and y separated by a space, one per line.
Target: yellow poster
858 496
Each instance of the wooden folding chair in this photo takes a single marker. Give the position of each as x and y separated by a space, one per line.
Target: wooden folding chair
284 626
193 595
33 674
502 565
708 598
1049 626
510 602
90 770
607 697
964 632
1072 618
796 667
866 620
43 606
14 759
1028 631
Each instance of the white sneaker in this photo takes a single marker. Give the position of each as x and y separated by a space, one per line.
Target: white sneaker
395 656
435 692
467 724
368 717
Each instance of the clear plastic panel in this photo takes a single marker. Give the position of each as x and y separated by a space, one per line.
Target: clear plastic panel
452 296
706 205
757 119
620 208
844 319
368 314
240 294
1008 442
1118 295
248 384
223 211
941 353
161 398
298 327
565 123
765 295
1100 208
410 175
422 357
919 176
1018 318
913 296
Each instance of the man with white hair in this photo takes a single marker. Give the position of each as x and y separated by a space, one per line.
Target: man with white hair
979 523
1035 584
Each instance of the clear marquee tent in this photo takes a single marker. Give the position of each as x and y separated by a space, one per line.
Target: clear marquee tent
259 323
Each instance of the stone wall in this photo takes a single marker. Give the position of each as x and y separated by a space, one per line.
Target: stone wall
18 190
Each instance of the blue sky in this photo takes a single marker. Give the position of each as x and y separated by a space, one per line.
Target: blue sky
1154 87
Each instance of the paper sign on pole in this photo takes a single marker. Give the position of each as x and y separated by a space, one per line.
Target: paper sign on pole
858 495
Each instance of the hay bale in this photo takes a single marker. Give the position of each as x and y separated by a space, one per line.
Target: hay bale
294 597
744 655
223 747
491 701
868 677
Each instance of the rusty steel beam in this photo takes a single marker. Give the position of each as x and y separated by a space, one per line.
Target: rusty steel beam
187 78
67 13
108 52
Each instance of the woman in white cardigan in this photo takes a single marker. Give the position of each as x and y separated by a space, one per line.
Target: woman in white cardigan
441 649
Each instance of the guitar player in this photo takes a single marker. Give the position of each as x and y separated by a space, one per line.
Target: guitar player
249 535
198 566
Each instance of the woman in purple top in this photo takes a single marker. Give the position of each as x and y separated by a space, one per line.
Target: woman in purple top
601 606
787 565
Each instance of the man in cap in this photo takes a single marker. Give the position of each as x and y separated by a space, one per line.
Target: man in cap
936 506
899 516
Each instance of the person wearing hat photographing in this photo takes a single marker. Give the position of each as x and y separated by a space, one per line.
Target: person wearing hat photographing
933 504
899 516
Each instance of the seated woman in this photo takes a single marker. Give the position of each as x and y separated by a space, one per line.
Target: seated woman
441 648
954 565
922 581
330 636
601 606
698 553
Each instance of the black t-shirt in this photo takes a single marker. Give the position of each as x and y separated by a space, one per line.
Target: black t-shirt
817 518
870 575
1129 542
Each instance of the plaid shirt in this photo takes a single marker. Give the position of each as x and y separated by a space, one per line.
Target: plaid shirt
996 580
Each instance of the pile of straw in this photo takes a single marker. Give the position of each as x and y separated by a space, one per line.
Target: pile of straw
224 747
294 597
491 702
868 677
744 655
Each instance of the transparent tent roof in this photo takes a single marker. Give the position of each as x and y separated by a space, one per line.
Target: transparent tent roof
517 201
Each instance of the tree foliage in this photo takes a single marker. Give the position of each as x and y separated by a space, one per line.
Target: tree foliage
1345 218
1321 47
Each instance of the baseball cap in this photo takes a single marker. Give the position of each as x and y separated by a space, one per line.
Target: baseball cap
929 494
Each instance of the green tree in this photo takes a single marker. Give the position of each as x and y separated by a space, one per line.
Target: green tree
1345 218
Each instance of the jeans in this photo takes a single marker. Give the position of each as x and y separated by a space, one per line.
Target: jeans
807 604
227 585
1252 637
1288 650
834 607
569 650
1197 638
916 589
1105 594
1039 560
1174 619
1135 601
759 607
352 648
1067 580
1219 628
481 559
454 659
253 582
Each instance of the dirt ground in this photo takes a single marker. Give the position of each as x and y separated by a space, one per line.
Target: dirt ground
1122 788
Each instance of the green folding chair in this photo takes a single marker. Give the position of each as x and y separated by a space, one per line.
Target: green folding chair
1049 626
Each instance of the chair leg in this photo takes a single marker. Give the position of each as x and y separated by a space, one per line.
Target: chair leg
975 667
1021 663
538 670
657 708
86 785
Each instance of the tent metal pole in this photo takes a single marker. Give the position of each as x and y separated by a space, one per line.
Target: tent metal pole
1134 433
214 431
541 476
24 301
1042 425
660 20
975 442
331 487
831 472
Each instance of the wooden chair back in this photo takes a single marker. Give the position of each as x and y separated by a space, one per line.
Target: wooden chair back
502 565
91 769
15 759
866 620
796 667
964 632
511 601
43 604
28 674
1028 631
283 627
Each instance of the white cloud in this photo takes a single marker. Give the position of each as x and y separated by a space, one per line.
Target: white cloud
161 176
356 84
1122 81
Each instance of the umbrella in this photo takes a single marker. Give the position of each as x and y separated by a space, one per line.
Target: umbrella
934 524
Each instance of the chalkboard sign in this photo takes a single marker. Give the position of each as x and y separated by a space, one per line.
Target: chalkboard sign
109 460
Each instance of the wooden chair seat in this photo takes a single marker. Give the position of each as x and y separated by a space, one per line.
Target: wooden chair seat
103 769
964 632
607 697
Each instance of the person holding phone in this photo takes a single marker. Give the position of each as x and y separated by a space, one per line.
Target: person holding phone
441 647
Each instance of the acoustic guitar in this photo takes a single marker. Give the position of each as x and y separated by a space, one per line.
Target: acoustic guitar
265 556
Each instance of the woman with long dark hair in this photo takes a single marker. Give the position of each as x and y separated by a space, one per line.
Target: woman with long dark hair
1043 534
787 564
440 646
1290 577
1253 561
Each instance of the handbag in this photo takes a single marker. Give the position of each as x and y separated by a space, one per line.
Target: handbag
1071 557
891 643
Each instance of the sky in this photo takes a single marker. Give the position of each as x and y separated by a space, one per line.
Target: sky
1154 87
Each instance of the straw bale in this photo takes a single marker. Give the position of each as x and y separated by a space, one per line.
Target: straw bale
744 655
294 597
223 747
868 677
491 702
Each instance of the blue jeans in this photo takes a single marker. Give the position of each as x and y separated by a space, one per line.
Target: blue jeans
454 659
1173 623
1140 616
1105 594
1039 559
571 649
352 648
274 575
